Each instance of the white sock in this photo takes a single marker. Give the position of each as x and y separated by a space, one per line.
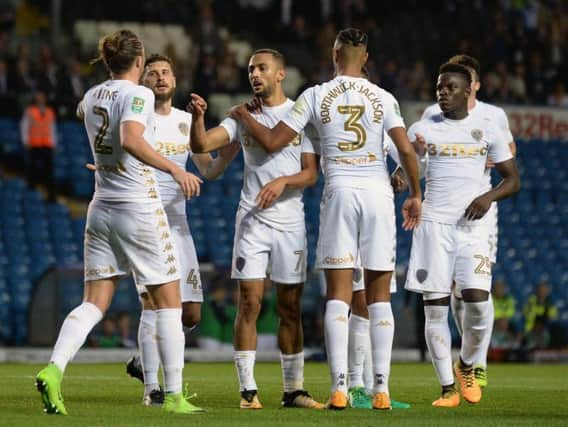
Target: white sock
336 331
74 332
439 341
149 356
244 362
381 323
171 346
457 311
476 324
368 366
359 343
482 360
292 371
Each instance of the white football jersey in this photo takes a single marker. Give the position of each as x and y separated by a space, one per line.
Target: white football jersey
287 213
350 115
119 175
172 141
497 116
455 175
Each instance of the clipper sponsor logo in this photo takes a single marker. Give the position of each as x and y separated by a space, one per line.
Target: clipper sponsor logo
341 260
101 271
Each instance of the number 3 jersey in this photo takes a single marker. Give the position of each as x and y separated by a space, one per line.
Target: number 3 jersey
350 115
455 174
119 176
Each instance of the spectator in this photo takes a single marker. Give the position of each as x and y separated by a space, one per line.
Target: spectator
39 135
108 337
539 307
539 336
71 89
7 98
504 304
503 340
559 97
123 323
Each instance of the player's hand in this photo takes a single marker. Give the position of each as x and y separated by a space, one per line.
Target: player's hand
229 151
270 192
238 111
478 208
197 105
489 164
91 167
420 145
398 181
254 105
189 183
411 212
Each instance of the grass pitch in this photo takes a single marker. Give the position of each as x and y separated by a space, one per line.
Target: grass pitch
103 395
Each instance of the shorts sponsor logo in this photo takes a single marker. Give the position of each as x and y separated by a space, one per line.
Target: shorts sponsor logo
240 263
341 318
341 260
171 271
101 271
421 275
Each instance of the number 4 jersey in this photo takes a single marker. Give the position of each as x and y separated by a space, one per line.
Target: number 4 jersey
350 115
119 175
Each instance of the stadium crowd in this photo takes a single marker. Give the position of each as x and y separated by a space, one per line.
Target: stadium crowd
521 45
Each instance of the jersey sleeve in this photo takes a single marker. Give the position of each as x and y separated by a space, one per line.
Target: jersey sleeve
503 123
413 130
138 105
232 128
498 145
392 116
391 148
302 112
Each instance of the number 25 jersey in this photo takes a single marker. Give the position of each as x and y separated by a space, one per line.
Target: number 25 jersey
119 175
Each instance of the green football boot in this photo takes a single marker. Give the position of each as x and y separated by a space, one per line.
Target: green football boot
358 398
480 375
177 403
48 383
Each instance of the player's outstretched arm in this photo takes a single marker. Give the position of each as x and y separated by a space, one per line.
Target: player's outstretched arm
132 140
509 185
211 168
307 177
272 140
412 207
201 140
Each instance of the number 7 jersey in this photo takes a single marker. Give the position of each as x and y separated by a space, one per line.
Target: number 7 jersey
119 175
350 115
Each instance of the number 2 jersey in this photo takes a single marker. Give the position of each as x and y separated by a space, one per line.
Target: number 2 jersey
350 115
119 177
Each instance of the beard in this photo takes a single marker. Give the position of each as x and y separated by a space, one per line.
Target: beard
163 97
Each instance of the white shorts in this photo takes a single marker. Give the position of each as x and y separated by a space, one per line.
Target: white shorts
490 223
190 280
259 248
359 280
124 238
356 222
442 253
